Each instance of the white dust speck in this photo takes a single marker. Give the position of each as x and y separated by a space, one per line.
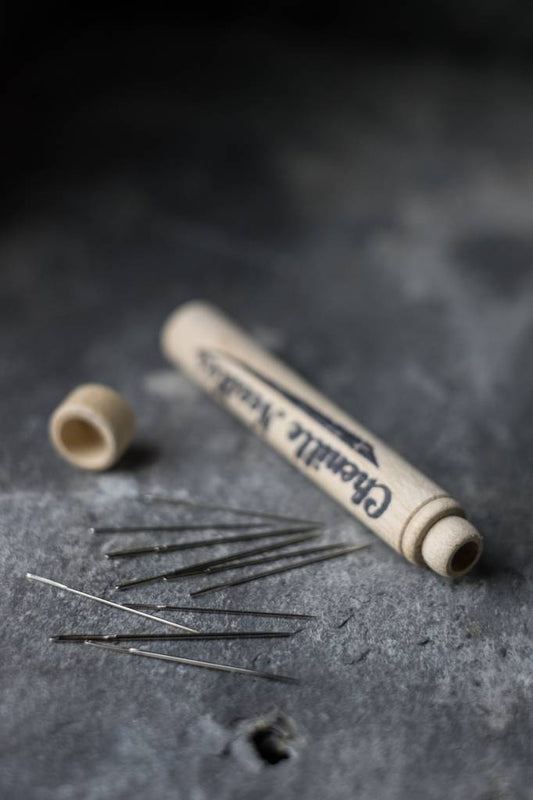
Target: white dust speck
270 338
117 486
169 384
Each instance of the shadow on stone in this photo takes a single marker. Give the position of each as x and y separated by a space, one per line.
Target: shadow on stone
138 456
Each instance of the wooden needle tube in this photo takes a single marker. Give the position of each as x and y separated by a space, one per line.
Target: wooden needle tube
400 504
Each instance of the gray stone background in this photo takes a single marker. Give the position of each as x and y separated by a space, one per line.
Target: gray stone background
369 218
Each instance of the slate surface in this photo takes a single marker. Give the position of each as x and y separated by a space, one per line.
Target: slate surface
369 220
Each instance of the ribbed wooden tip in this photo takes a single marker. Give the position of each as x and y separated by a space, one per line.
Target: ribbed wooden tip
452 546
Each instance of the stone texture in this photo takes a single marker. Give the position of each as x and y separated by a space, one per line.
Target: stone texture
369 220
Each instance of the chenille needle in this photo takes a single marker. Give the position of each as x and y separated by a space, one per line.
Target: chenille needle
200 566
238 581
222 526
133 651
108 602
169 637
255 562
155 498
181 546
231 611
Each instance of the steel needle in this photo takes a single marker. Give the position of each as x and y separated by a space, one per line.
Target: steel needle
155 498
231 611
181 546
224 526
169 637
57 585
255 562
133 651
238 581
200 566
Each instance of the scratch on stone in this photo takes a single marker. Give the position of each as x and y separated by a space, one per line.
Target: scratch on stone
361 657
345 621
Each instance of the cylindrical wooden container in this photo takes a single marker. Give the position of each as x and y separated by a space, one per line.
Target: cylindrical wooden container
92 427
407 510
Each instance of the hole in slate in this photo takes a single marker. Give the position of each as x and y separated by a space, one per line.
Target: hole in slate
270 743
